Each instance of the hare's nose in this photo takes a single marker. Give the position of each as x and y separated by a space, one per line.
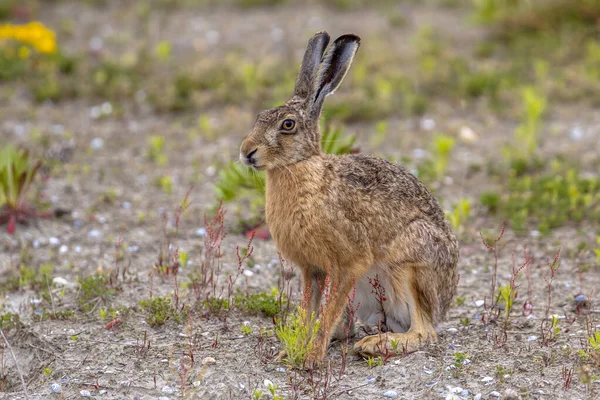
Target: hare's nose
250 157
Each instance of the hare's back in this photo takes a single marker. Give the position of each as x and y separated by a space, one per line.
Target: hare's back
376 182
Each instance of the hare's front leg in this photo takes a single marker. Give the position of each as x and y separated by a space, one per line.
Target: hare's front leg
313 285
332 311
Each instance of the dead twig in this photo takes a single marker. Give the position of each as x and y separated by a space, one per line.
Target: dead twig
16 363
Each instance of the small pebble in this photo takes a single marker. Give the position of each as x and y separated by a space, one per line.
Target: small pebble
494 394
126 205
133 249
96 44
209 361
63 249
477 396
168 389
534 233
94 234
211 170
95 112
36 244
511 394
58 281
456 389
531 338
371 379
248 273
392 394
268 383
419 154
85 393
579 298
212 37
97 143
465 393
201 232
467 134
55 387
452 330
576 133
487 379
106 108
53 241
479 303
427 124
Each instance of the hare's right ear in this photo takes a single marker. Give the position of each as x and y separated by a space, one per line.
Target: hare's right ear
331 72
310 63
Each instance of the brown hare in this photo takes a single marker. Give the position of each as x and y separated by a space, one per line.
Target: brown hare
351 218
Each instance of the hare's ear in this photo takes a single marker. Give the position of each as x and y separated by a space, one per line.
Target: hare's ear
310 63
332 70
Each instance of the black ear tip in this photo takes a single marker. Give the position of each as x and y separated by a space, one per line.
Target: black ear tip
349 38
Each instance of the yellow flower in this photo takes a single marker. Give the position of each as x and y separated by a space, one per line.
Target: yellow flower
33 33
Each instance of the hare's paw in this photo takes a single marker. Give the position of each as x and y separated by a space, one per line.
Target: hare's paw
316 355
390 343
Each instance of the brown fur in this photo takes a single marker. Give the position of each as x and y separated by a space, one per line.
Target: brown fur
342 215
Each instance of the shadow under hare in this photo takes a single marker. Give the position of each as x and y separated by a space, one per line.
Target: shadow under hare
352 219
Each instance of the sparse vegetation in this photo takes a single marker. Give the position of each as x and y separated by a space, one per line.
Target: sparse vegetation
297 336
17 173
116 293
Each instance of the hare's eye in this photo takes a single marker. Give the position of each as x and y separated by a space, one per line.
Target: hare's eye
288 124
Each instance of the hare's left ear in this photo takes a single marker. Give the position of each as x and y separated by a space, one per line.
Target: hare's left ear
310 63
331 72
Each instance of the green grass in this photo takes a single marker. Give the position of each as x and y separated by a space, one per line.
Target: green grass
159 310
547 200
297 337
266 304
94 289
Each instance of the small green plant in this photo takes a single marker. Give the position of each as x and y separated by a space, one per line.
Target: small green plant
464 321
505 297
156 148
502 372
522 154
160 310
273 390
460 300
434 167
165 183
297 337
594 343
267 304
257 394
246 329
459 359
93 289
460 214
373 362
9 321
17 172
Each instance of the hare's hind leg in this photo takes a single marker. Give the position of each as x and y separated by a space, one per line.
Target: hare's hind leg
421 328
